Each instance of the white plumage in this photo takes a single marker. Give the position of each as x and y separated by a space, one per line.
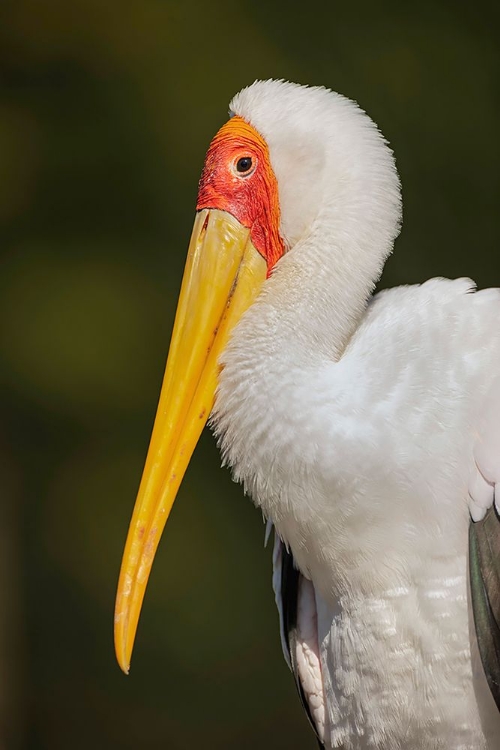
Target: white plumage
354 423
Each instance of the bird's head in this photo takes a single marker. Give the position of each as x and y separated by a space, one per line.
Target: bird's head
238 178
293 165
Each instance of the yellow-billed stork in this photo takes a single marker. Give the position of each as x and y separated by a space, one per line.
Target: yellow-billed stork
366 428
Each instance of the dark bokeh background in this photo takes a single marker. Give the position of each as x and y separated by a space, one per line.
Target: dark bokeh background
106 109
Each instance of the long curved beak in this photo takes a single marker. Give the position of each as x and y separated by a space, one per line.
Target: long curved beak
222 277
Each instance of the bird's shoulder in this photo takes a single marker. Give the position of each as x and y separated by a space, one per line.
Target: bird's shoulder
418 352
436 299
442 317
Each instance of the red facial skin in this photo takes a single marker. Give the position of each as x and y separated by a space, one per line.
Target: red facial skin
250 197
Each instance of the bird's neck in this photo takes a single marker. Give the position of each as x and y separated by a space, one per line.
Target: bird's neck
319 291
320 287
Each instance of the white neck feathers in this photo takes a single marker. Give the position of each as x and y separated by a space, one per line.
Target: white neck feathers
340 204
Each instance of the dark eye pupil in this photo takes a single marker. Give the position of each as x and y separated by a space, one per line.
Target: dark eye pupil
244 164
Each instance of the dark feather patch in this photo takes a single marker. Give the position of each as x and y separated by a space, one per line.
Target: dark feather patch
289 594
484 568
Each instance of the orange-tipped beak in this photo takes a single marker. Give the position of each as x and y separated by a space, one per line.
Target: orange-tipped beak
223 274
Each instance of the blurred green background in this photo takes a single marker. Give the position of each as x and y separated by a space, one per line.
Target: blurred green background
106 110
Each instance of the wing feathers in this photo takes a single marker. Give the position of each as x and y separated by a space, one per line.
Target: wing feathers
484 562
286 579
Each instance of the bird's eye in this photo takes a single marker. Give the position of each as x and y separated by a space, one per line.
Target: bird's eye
244 165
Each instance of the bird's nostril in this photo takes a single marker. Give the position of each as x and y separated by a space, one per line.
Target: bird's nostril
205 225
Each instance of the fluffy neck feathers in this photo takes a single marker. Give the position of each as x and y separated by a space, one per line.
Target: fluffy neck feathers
340 207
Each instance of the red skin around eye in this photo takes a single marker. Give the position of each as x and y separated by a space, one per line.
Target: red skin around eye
252 198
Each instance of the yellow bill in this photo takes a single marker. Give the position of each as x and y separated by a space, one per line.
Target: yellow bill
223 274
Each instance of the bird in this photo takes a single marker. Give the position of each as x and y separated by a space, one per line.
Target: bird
364 425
